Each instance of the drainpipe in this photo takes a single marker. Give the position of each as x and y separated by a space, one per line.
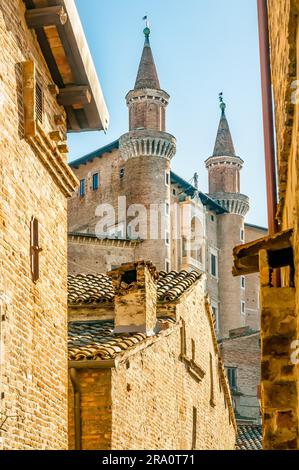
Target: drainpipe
270 160
77 406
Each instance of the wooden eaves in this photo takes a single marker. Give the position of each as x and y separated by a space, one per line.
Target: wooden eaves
62 40
278 246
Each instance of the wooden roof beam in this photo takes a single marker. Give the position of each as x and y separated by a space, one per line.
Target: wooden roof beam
74 96
48 16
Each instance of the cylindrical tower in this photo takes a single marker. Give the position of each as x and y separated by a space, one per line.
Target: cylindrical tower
148 150
224 168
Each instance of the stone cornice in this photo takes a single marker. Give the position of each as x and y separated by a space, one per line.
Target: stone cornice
229 161
94 240
54 161
147 94
234 203
145 142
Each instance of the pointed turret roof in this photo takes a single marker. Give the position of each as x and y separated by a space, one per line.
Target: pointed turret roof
224 146
147 76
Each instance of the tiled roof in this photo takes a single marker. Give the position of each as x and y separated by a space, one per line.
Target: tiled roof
249 437
95 340
190 190
95 154
97 288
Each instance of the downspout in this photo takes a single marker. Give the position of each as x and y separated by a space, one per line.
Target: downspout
77 407
270 161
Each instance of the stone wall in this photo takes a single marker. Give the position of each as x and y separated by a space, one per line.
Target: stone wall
33 377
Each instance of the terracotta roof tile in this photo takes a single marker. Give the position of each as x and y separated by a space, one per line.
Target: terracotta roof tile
96 289
249 437
95 340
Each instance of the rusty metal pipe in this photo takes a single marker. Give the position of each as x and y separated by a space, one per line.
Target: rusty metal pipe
77 407
270 161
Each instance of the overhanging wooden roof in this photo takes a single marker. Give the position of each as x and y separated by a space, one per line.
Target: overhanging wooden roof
62 40
246 257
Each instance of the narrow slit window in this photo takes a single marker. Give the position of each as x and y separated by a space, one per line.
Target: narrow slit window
39 105
35 249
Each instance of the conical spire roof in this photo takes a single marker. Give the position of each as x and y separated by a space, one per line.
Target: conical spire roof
224 146
147 76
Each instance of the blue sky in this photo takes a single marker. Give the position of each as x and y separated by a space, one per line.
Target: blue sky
201 47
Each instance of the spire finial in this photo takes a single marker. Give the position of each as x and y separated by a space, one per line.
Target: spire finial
146 30
222 104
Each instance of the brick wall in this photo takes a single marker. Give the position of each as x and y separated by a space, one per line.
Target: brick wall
33 353
248 372
252 282
230 292
156 389
92 256
96 422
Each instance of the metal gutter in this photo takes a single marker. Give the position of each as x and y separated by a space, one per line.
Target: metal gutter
270 159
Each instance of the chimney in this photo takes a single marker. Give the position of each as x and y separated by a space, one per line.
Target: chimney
135 298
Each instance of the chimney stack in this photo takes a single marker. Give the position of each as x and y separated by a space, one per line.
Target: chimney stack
135 298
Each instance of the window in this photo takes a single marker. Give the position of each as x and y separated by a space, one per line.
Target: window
95 181
242 235
167 208
232 377
35 249
39 105
216 316
213 265
122 173
212 218
174 192
243 282
243 307
167 266
167 238
183 340
82 188
167 178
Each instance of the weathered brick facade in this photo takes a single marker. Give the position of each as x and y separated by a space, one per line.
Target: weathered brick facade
167 392
35 183
242 352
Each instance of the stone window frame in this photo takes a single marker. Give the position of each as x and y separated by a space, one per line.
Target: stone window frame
242 234
167 237
167 209
243 307
229 377
82 188
95 187
167 265
167 178
243 282
213 252
215 306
